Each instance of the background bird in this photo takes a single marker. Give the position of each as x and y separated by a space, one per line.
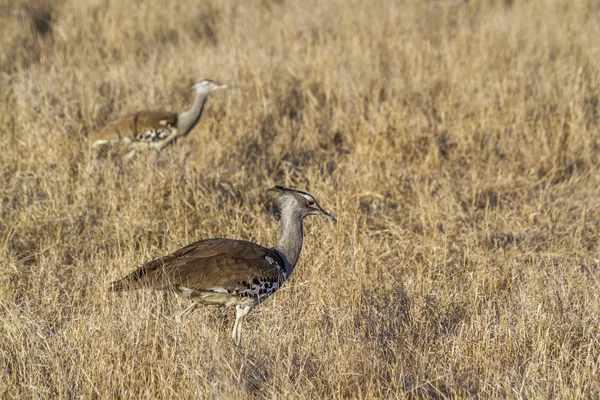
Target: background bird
229 272
155 129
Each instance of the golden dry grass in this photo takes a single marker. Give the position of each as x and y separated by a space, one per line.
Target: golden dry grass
458 146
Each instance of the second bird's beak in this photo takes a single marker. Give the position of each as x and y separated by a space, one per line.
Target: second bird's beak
222 86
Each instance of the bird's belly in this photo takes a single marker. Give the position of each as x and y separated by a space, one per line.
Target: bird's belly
218 299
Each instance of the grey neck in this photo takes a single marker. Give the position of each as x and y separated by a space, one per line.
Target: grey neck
290 237
187 119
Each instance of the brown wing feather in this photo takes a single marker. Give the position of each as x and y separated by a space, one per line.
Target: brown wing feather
132 125
205 265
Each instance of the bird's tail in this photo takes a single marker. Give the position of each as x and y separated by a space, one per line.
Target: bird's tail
129 282
118 286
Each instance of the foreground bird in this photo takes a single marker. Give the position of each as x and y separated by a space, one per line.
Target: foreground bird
155 129
227 272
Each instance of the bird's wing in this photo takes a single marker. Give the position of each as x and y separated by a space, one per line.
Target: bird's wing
221 264
154 120
138 126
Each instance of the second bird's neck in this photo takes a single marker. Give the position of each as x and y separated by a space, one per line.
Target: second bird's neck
290 238
187 119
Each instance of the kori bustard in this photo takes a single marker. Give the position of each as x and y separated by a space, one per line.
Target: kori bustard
227 272
155 129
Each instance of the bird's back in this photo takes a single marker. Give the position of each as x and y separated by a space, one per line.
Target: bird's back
134 126
233 266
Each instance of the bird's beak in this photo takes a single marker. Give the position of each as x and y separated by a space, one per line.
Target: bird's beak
325 213
222 86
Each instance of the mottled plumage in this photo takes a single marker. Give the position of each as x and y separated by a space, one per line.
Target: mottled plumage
231 272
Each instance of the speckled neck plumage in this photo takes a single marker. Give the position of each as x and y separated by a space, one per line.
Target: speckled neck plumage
187 119
290 236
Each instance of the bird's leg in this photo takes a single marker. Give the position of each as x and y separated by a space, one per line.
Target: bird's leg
165 302
129 156
186 311
166 141
234 332
240 313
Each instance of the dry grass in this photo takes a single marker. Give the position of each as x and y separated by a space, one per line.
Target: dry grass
458 145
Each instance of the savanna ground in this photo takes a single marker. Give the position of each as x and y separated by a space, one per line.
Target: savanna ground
459 146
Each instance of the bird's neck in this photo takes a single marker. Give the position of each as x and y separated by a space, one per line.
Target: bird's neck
187 119
290 238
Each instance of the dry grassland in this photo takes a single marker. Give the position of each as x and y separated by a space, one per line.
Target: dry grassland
459 146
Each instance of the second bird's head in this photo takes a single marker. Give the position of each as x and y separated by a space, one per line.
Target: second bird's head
207 86
298 203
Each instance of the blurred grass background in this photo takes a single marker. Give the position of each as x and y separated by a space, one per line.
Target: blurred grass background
457 144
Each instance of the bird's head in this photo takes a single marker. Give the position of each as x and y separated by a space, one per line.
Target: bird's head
298 203
207 86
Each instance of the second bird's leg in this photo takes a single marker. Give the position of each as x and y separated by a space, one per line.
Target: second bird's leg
159 146
129 156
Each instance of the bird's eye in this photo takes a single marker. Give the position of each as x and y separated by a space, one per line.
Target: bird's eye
311 203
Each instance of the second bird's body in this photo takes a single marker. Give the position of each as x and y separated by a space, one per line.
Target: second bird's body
155 129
